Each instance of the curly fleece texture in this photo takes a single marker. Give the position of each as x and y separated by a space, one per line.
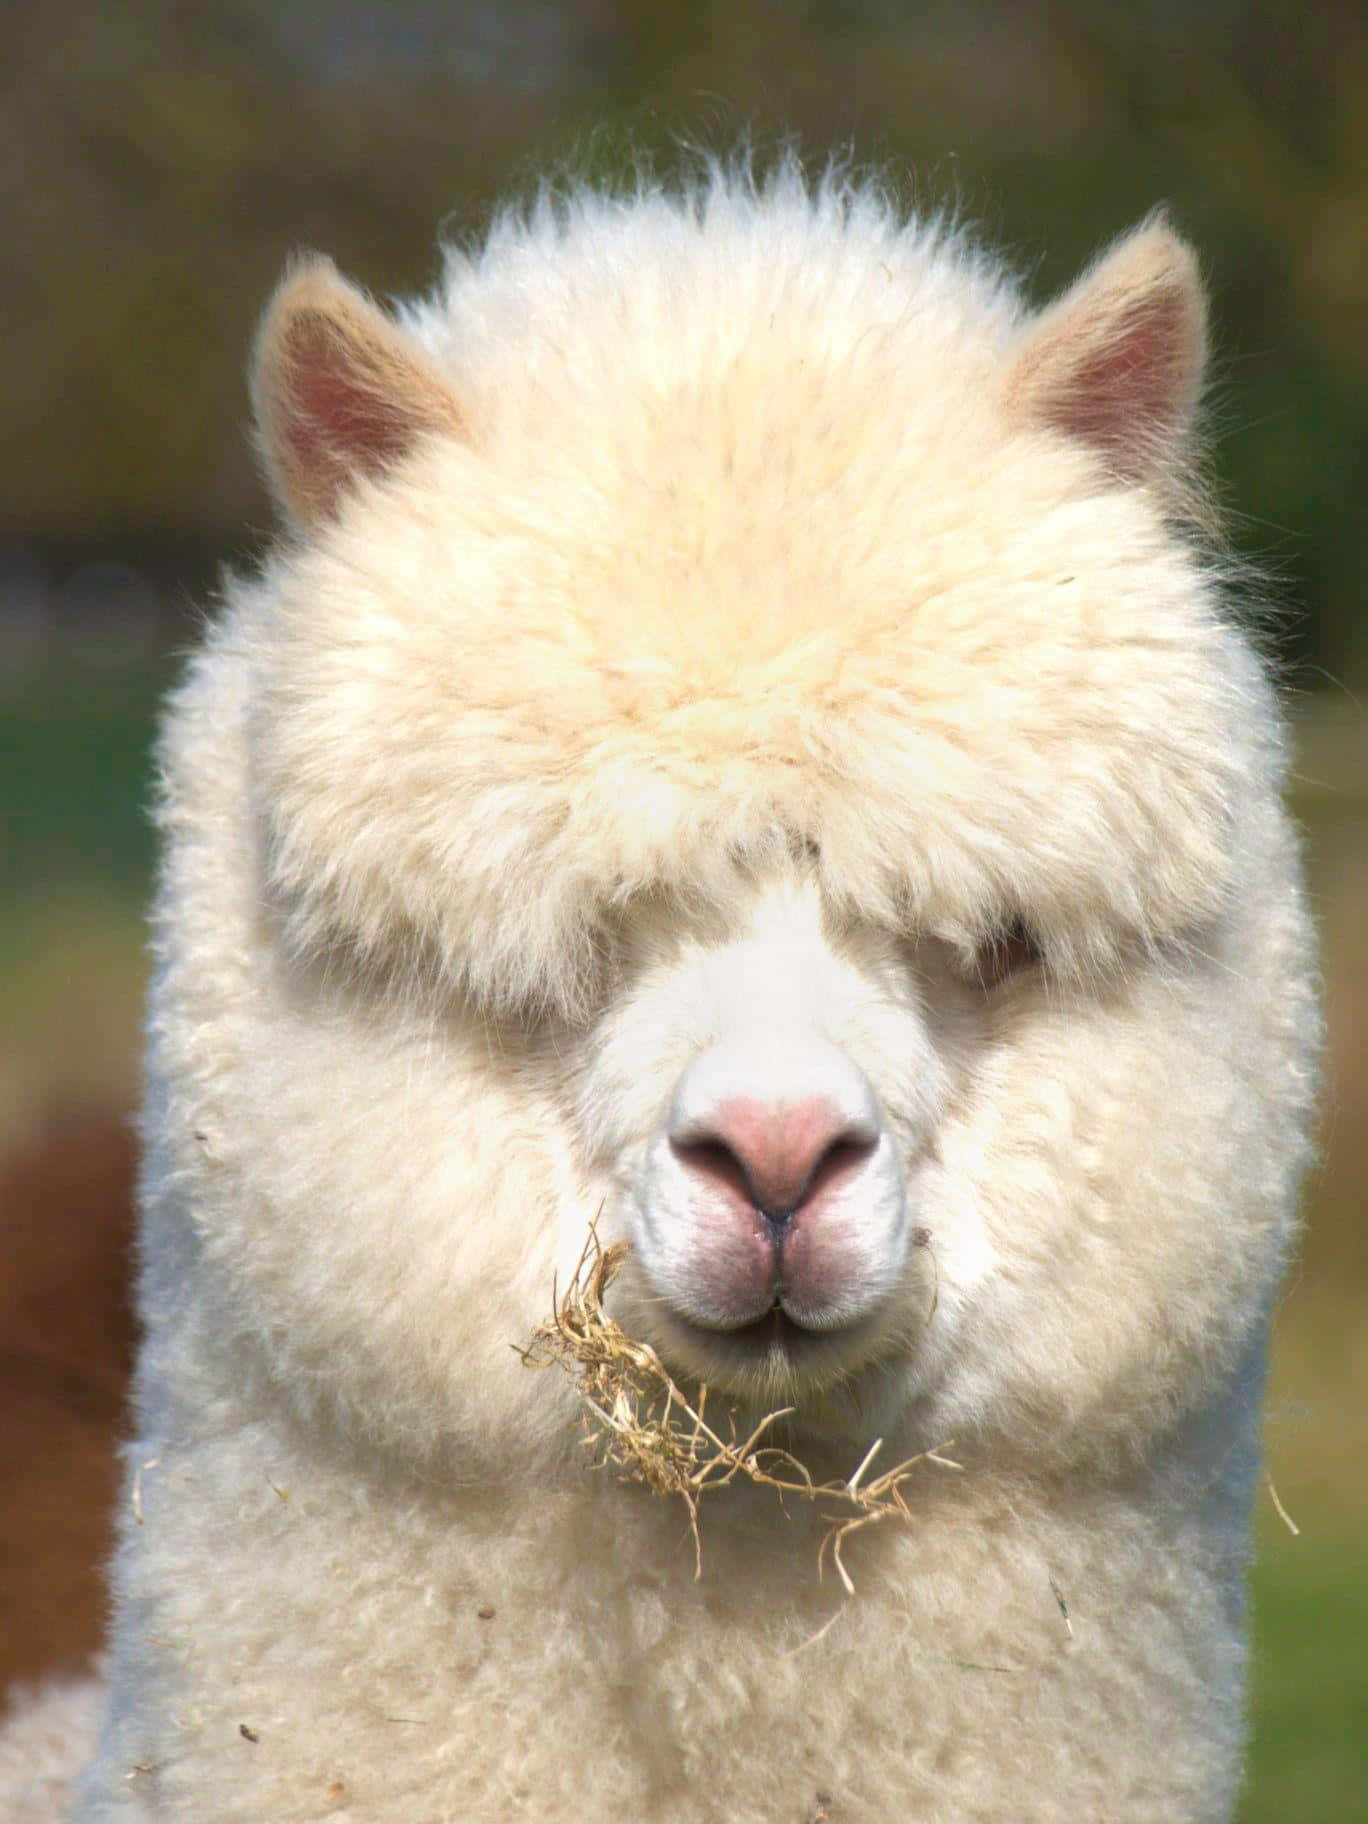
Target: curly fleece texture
686 543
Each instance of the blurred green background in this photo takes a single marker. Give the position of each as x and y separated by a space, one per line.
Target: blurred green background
157 165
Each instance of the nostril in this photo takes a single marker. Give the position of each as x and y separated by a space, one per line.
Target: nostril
844 1155
777 1157
714 1159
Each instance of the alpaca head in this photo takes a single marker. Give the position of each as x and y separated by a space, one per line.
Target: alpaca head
761 687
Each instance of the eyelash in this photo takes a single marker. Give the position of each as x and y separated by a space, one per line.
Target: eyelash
1009 951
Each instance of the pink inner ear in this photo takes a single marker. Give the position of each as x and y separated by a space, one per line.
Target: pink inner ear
337 420
1118 396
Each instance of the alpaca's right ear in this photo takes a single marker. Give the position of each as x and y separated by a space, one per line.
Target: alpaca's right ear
339 391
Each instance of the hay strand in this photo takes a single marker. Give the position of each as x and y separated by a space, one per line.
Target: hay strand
639 1422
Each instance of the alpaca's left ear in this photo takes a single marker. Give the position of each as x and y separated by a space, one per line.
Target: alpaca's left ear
340 391
1117 361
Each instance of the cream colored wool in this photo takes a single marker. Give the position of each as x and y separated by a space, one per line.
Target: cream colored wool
712 600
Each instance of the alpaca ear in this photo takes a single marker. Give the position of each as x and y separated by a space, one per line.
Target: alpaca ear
338 389
1117 361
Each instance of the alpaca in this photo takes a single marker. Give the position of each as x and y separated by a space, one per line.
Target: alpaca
741 741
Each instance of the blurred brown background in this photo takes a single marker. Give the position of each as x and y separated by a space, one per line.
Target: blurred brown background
157 165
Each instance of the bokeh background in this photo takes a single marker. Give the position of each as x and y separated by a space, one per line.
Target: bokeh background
159 162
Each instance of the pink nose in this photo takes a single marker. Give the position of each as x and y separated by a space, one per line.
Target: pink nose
777 1156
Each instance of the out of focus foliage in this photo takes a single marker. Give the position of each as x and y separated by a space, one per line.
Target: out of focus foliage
161 161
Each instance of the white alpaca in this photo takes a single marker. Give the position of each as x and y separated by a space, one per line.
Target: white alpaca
742 737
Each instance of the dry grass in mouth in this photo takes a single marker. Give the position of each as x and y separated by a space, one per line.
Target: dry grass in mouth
639 1422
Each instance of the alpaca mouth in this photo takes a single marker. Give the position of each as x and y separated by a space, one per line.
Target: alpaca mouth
783 1340
774 1352
774 1326
779 1324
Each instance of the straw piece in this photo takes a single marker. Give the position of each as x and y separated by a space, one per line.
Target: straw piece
640 1423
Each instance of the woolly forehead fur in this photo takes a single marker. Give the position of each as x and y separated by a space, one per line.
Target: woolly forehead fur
744 555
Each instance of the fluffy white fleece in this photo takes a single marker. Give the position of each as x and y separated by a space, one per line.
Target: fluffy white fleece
688 555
